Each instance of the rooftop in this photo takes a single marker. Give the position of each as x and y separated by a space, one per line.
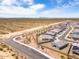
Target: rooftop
76 44
60 43
45 37
75 33
50 33
56 30
75 48
75 24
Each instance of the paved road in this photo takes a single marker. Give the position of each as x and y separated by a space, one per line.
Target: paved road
65 33
27 51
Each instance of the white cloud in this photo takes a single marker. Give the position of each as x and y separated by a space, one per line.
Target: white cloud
20 10
77 1
59 13
29 12
16 10
7 9
69 15
30 2
69 4
59 1
37 6
50 13
32 10
8 2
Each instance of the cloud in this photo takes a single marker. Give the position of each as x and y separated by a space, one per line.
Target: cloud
16 2
16 10
30 2
59 1
19 11
60 13
67 3
77 1
37 6
27 8
7 7
50 13
8 2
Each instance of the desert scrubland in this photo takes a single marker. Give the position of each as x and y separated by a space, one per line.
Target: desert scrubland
14 25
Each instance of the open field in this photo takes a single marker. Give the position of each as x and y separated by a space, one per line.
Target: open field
13 25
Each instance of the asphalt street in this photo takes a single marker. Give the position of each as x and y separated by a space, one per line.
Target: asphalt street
25 50
64 34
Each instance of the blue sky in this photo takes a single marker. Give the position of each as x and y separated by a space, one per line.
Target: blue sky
39 8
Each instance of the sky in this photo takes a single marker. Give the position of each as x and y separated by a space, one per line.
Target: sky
39 8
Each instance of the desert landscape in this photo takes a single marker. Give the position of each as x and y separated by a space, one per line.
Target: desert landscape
13 25
8 26
39 29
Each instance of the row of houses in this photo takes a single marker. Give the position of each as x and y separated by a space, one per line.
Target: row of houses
61 44
75 37
50 35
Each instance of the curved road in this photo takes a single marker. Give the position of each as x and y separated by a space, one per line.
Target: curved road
33 54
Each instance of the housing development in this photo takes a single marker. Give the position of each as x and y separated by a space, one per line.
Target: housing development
53 41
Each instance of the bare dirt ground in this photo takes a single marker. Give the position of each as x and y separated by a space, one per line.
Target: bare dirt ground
10 26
